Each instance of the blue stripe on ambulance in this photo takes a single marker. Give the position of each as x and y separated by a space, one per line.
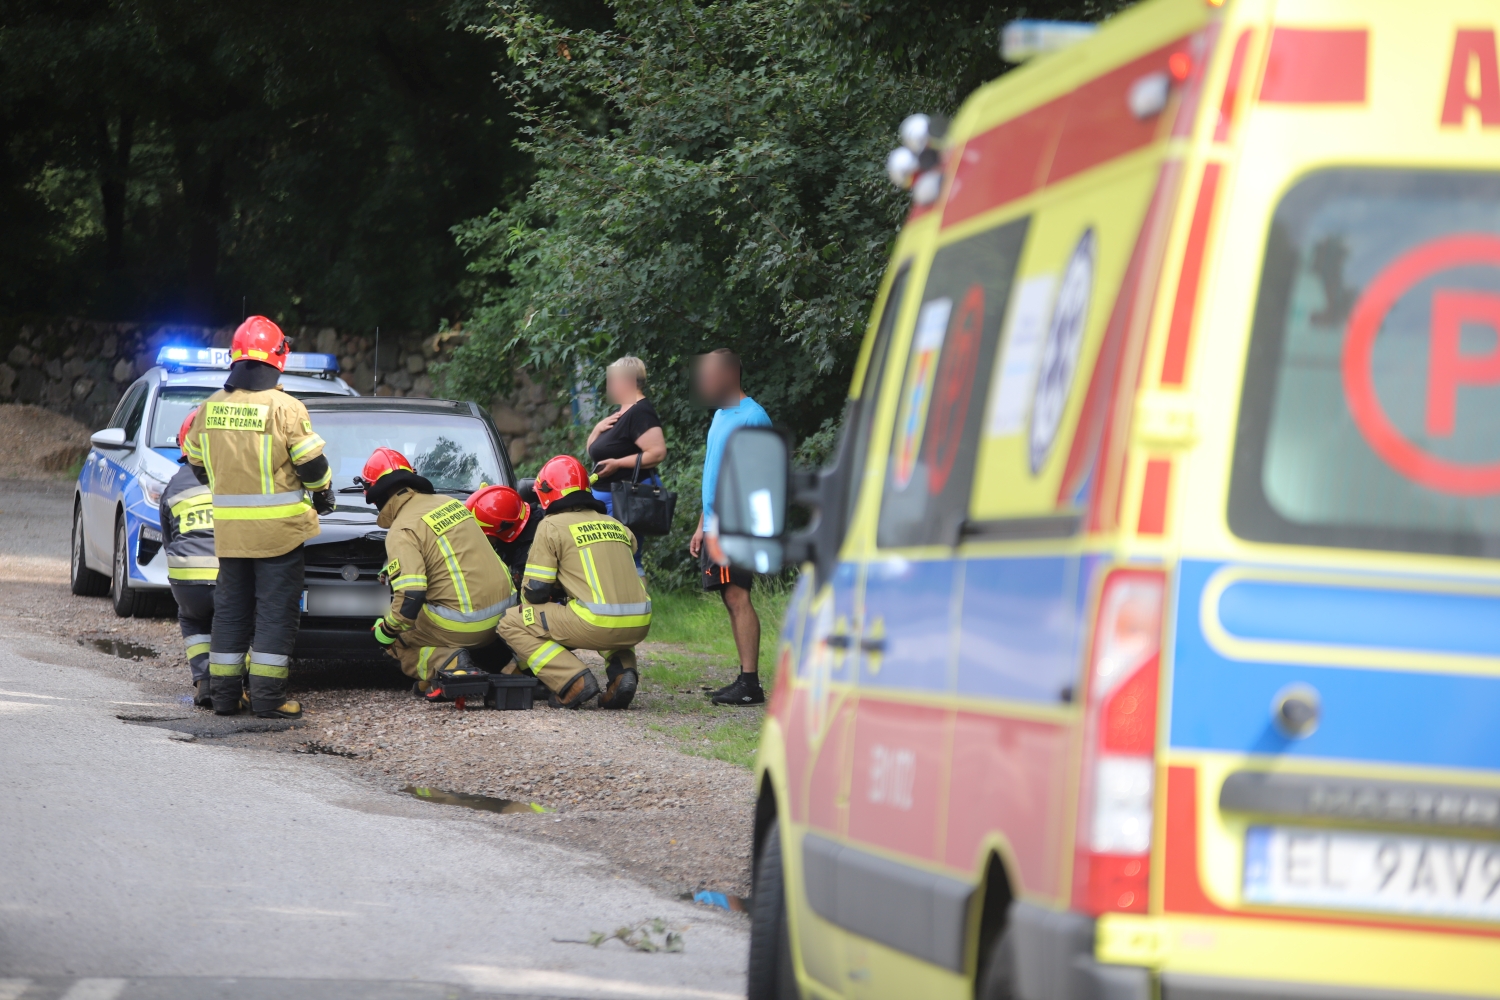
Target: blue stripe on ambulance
1421 717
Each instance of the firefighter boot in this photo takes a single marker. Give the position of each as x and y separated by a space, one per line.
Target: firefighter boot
620 687
226 692
203 697
580 689
268 697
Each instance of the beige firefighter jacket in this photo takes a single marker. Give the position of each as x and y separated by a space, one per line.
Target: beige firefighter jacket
434 548
590 556
250 442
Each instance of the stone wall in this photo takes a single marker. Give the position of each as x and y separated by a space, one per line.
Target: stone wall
81 368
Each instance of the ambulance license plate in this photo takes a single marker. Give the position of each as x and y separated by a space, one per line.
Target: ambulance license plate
346 602
1393 873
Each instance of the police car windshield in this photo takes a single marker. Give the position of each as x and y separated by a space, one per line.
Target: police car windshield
172 408
454 452
1372 391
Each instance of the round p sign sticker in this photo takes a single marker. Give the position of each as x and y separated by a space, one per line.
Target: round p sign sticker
1448 367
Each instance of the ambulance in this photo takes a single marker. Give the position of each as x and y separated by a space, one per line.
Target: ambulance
1147 642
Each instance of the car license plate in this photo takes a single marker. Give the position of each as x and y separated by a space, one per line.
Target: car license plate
346 602
1395 873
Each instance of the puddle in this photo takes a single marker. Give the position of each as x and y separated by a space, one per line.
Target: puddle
119 647
483 802
718 900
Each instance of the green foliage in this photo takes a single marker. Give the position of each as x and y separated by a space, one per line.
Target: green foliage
165 159
710 175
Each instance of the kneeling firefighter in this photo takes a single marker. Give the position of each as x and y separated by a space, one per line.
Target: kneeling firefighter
187 535
253 445
448 588
509 523
589 557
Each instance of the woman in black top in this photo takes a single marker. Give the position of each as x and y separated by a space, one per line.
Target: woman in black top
634 429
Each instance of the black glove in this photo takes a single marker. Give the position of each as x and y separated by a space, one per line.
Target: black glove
325 501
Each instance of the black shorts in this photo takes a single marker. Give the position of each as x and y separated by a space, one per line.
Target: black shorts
716 577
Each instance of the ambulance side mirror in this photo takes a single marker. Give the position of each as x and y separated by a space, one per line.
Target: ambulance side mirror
751 499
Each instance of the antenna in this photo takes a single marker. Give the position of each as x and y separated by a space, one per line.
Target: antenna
243 311
375 382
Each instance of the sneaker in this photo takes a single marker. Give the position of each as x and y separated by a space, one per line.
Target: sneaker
745 690
286 710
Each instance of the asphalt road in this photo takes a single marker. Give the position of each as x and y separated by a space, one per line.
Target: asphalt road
138 865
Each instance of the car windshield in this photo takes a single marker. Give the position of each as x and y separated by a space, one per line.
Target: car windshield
455 452
172 408
175 402
1373 386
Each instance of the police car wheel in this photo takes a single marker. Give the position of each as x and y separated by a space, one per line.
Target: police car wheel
771 974
121 593
83 581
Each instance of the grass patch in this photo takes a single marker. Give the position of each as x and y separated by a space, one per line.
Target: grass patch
690 652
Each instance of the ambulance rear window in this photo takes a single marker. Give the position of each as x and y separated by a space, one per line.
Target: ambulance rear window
1371 408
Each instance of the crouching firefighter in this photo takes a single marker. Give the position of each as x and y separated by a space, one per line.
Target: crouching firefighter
448 588
187 535
253 445
580 591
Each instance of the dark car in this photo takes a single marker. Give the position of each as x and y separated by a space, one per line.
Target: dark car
455 445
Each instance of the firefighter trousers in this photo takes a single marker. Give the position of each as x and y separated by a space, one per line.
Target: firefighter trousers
426 647
257 610
544 636
195 616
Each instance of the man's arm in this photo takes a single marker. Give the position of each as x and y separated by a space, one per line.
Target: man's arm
540 577
406 572
193 448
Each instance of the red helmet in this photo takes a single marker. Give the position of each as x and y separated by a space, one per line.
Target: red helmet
259 340
187 425
561 475
500 511
380 462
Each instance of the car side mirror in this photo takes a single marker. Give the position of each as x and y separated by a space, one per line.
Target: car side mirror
750 501
110 437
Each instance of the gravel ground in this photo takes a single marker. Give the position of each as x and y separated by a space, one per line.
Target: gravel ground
39 439
615 784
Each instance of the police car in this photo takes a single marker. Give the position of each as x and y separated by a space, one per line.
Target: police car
116 529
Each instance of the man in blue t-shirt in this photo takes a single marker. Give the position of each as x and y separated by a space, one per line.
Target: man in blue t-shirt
718 383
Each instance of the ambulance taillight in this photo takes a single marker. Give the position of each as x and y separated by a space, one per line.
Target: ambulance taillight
1112 861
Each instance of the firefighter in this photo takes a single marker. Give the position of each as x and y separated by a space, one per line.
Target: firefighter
507 520
581 591
187 535
254 447
448 589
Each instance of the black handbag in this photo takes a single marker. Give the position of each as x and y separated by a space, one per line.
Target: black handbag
641 507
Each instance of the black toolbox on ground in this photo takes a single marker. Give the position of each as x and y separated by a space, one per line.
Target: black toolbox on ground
469 684
512 692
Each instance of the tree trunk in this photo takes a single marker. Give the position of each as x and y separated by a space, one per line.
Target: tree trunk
114 174
207 210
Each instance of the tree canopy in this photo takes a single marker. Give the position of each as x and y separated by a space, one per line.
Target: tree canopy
170 160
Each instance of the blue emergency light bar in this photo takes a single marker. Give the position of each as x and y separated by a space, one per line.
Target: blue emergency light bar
209 358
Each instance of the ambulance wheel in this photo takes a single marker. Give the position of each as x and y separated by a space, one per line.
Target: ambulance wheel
121 593
998 974
772 976
83 581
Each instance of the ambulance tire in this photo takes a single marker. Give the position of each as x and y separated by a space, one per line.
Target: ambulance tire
999 971
121 594
771 974
83 581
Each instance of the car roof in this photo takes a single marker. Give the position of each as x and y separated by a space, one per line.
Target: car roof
390 404
214 378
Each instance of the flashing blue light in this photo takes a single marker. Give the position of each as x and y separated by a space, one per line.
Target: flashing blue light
187 358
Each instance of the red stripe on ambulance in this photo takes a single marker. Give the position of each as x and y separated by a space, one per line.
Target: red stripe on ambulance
1316 66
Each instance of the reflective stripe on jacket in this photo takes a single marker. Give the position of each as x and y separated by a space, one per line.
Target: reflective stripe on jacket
591 556
436 549
187 530
250 444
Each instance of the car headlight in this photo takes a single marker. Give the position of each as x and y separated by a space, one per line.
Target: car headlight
152 489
